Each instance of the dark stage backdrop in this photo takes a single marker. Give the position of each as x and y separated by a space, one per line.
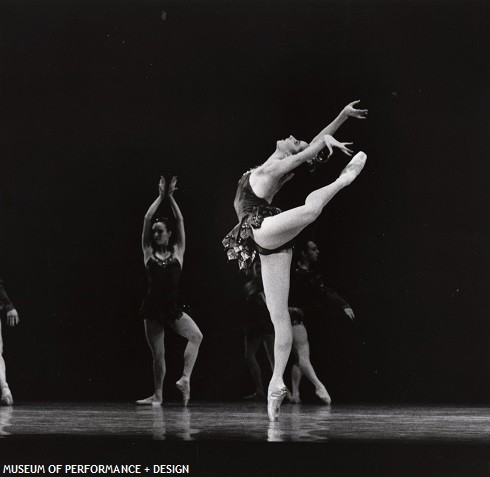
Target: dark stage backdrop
97 99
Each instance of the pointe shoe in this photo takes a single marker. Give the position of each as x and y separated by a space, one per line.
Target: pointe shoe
355 166
184 387
6 399
323 395
150 401
274 400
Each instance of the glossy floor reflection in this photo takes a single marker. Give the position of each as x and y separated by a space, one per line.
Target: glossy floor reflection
248 422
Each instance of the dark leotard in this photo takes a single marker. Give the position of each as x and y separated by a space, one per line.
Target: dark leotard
251 212
161 303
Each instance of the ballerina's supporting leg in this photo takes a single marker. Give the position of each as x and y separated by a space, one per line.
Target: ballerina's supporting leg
186 327
155 335
275 277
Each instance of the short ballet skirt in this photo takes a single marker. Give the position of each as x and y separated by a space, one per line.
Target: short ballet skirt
239 244
163 312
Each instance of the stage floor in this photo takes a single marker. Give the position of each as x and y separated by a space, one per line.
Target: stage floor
236 439
240 421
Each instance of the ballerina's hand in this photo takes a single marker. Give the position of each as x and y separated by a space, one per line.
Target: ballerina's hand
331 142
350 111
162 187
173 186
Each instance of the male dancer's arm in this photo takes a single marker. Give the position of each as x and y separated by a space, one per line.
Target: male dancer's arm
5 303
334 298
7 306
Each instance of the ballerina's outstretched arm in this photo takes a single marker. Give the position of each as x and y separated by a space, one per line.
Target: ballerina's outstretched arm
348 112
278 168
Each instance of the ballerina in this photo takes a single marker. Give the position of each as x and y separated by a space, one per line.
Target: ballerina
163 263
268 231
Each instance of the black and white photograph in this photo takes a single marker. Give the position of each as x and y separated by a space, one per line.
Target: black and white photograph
245 237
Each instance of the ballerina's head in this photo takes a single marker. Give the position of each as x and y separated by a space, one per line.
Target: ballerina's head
161 233
289 146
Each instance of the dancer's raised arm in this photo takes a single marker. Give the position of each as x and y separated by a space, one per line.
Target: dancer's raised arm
146 236
279 167
348 112
179 231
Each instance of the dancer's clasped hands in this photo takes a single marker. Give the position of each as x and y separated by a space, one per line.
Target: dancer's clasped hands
172 187
162 187
165 189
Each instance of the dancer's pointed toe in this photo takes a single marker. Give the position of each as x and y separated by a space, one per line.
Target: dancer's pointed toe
323 395
274 400
354 168
184 387
6 399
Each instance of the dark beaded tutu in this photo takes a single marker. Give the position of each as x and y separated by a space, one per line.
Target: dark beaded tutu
251 211
239 244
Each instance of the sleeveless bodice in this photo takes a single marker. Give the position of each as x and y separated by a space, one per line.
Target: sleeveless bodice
245 199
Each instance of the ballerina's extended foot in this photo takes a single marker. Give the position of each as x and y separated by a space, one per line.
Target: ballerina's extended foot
150 401
6 399
323 395
184 387
274 400
354 168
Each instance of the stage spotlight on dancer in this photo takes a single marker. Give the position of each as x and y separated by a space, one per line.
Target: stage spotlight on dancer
12 319
258 330
164 257
268 231
309 294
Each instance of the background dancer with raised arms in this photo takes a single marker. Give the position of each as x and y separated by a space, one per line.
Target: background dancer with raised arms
163 263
